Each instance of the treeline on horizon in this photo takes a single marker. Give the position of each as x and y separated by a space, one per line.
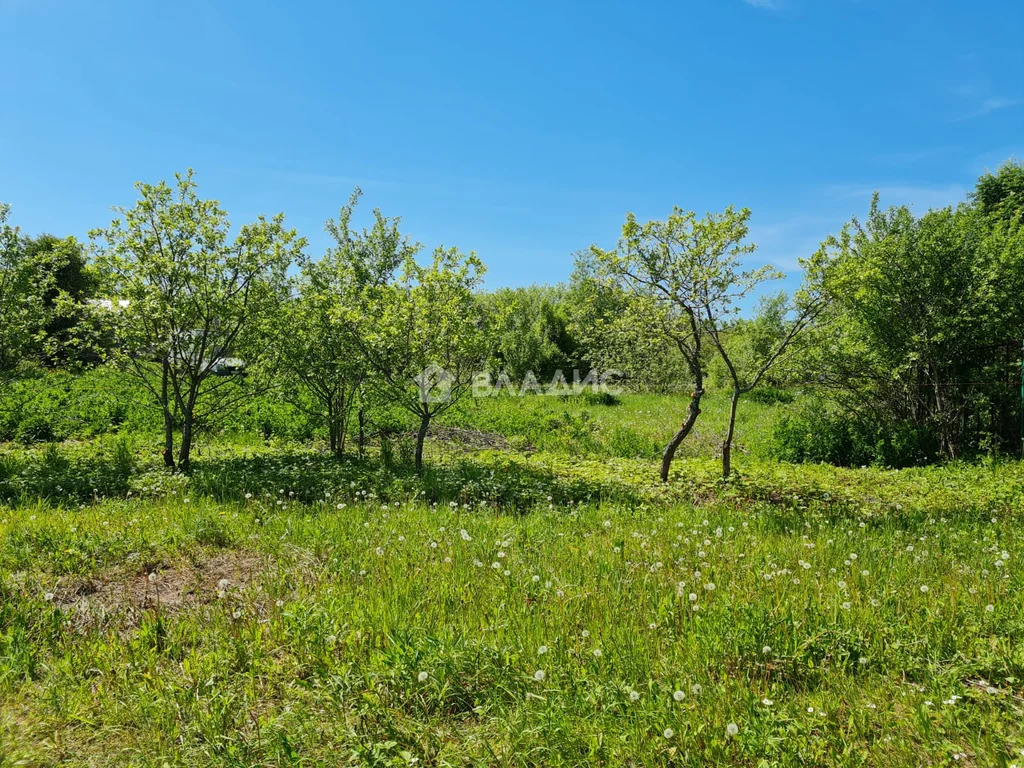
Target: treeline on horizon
905 335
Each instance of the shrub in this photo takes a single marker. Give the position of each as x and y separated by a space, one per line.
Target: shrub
818 433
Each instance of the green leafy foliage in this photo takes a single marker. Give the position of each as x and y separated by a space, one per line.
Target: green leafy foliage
817 432
926 325
22 310
530 333
421 338
318 335
189 297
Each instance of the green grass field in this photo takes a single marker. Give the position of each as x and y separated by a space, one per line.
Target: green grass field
511 607
637 427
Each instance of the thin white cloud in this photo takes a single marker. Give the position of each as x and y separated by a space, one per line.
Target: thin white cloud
993 105
920 197
771 5
977 99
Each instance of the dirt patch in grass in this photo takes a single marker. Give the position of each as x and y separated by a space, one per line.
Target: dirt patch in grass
131 592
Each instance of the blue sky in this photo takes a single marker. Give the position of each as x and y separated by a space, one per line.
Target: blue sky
523 131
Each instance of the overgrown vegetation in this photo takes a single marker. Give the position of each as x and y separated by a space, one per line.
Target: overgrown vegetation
317 616
265 507
907 329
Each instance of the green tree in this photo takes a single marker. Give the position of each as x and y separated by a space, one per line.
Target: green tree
68 288
188 297
23 315
780 329
1001 194
529 330
324 356
922 309
669 267
423 337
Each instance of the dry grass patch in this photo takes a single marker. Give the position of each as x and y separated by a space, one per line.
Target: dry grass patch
131 592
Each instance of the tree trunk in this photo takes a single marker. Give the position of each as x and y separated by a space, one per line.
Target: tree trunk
185 452
168 440
727 445
337 436
343 432
362 429
691 419
338 411
168 419
420 437
332 429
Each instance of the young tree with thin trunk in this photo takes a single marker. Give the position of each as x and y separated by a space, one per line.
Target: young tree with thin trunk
777 331
423 337
665 265
189 296
315 351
